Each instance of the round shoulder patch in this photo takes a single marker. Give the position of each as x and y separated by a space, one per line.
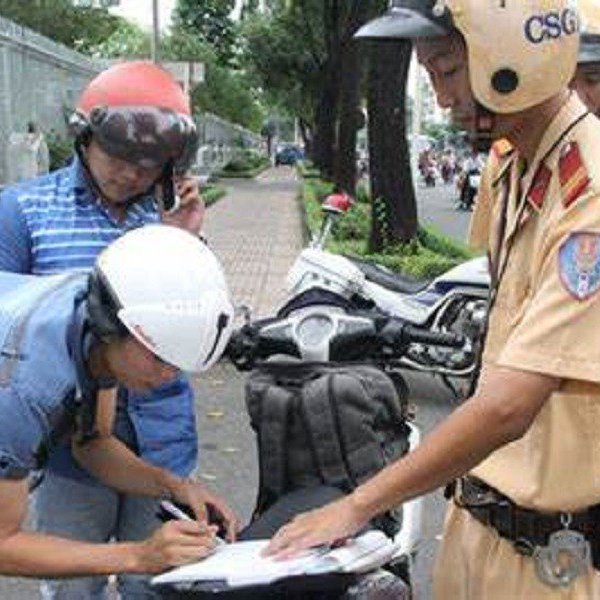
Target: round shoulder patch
579 264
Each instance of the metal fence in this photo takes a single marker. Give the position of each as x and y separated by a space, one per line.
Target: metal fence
41 81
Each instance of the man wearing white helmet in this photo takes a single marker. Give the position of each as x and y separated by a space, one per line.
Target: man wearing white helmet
155 303
587 77
523 518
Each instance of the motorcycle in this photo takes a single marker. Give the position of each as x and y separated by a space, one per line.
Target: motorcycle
317 327
346 312
455 302
469 185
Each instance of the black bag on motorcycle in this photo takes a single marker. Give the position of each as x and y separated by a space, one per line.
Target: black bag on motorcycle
324 425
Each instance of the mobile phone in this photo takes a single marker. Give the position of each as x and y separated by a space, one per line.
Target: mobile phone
167 194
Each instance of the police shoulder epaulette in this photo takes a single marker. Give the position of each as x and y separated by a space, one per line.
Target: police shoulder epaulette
572 173
502 148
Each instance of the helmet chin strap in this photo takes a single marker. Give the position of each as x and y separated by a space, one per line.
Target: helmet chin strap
484 124
80 145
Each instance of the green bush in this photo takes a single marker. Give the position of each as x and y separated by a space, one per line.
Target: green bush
60 149
428 255
212 193
247 160
306 170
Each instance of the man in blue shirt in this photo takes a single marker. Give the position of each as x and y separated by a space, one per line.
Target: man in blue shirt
134 136
156 302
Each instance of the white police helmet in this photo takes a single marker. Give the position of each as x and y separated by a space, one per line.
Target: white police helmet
521 52
167 289
589 49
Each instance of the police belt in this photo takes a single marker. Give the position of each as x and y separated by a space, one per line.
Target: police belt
527 529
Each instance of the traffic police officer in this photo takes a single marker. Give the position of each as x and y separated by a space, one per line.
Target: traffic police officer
587 76
523 522
155 302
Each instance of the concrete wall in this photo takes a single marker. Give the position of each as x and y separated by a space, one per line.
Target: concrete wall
40 81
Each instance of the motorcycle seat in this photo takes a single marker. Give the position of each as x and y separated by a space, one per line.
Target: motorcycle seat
394 282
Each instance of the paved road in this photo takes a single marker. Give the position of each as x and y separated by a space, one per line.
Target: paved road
256 232
436 206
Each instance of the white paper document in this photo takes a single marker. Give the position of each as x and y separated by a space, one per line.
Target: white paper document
241 564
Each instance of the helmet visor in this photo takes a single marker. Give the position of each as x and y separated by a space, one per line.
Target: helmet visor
147 136
408 19
589 49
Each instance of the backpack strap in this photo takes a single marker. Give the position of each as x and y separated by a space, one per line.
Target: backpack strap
321 420
272 433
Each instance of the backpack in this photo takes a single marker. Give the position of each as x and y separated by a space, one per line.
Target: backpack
324 425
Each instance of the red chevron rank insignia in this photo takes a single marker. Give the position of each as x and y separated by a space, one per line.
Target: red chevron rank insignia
539 187
572 173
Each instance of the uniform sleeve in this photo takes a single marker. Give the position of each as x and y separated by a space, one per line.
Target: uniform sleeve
559 332
15 241
20 440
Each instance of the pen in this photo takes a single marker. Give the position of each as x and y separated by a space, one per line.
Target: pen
174 511
177 513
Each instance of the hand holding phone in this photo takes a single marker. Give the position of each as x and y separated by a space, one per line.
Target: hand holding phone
167 192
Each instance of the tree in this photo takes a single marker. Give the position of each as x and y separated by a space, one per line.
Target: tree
127 41
78 28
304 53
394 207
211 21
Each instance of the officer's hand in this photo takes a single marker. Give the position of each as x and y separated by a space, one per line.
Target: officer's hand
330 524
190 214
199 497
174 544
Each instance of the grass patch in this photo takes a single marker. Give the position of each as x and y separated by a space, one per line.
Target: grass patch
212 193
430 254
306 170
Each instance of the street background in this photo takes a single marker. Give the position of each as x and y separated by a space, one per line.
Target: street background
256 230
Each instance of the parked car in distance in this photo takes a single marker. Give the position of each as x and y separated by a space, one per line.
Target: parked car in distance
288 155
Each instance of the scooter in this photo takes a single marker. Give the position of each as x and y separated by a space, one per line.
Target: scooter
319 328
456 301
335 316
468 189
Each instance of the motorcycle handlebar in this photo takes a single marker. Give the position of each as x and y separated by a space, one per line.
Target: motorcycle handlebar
248 344
417 335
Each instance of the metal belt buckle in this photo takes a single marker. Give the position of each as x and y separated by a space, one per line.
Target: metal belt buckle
566 557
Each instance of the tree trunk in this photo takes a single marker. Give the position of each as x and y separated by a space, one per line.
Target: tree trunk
394 207
306 134
351 118
326 114
324 140
345 156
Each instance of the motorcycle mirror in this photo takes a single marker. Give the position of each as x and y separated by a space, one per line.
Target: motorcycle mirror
337 203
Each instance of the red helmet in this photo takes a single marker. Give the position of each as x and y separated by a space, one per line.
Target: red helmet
137 111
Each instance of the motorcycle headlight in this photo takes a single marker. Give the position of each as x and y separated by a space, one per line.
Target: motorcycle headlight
314 330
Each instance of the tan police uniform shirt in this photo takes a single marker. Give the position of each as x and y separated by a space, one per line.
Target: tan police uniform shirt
539 324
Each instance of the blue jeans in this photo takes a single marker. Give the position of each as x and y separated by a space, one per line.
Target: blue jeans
91 512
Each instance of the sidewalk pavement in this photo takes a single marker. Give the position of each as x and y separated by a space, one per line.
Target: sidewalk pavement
256 231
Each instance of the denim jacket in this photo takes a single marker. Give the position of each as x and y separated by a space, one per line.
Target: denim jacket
38 374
